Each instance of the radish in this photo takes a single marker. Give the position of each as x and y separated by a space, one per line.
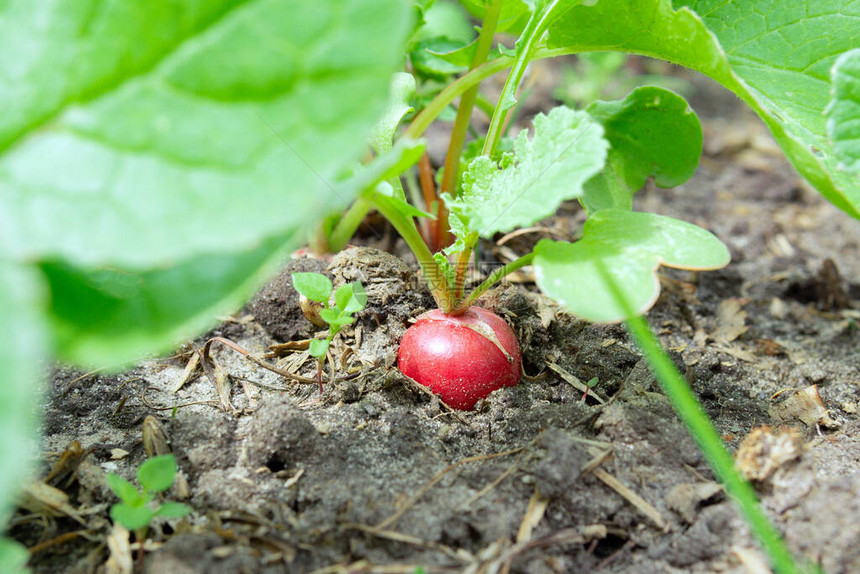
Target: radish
463 357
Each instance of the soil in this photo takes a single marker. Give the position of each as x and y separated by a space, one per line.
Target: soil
376 475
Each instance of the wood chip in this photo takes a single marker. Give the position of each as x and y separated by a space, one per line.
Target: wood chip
765 450
731 321
805 406
687 499
120 561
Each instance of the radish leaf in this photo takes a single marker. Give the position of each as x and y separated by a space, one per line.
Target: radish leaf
630 246
775 55
652 132
843 113
567 149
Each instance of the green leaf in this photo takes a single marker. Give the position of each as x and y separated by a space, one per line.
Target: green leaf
132 517
114 315
629 246
170 195
401 94
315 286
843 113
513 17
427 64
23 358
126 491
173 510
775 55
652 132
157 473
567 149
229 126
335 318
384 193
14 556
350 298
318 348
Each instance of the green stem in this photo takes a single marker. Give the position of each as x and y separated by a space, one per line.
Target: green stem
494 278
423 120
463 264
703 431
706 436
467 101
347 225
405 226
535 28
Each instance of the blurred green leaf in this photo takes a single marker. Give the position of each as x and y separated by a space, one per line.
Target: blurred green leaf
652 133
843 113
315 286
158 473
23 359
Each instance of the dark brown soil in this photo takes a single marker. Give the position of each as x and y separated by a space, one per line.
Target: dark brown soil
374 474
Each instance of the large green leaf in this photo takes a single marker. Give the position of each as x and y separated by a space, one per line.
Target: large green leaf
22 360
156 161
629 246
567 149
843 113
652 132
775 55
114 315
144 135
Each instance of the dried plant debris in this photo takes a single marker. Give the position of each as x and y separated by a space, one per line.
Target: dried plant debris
765 450
805 406
688 498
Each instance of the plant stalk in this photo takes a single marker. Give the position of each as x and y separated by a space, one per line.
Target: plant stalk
348 223
699 425
464 116
405 226
708 439
494 278
423 120
535 28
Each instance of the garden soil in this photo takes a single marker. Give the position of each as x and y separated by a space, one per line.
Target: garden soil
374 474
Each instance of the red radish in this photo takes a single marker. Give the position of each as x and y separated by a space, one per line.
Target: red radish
462 358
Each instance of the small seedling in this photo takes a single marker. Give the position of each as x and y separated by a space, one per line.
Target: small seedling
137 510
315 290
589 384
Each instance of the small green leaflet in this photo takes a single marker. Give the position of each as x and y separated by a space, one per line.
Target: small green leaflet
630 246
126 491
652 132
132 517
567 149
843 113
157 473
315 286
318 348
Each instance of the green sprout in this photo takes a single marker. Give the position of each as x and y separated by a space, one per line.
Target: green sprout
136 509
348 300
